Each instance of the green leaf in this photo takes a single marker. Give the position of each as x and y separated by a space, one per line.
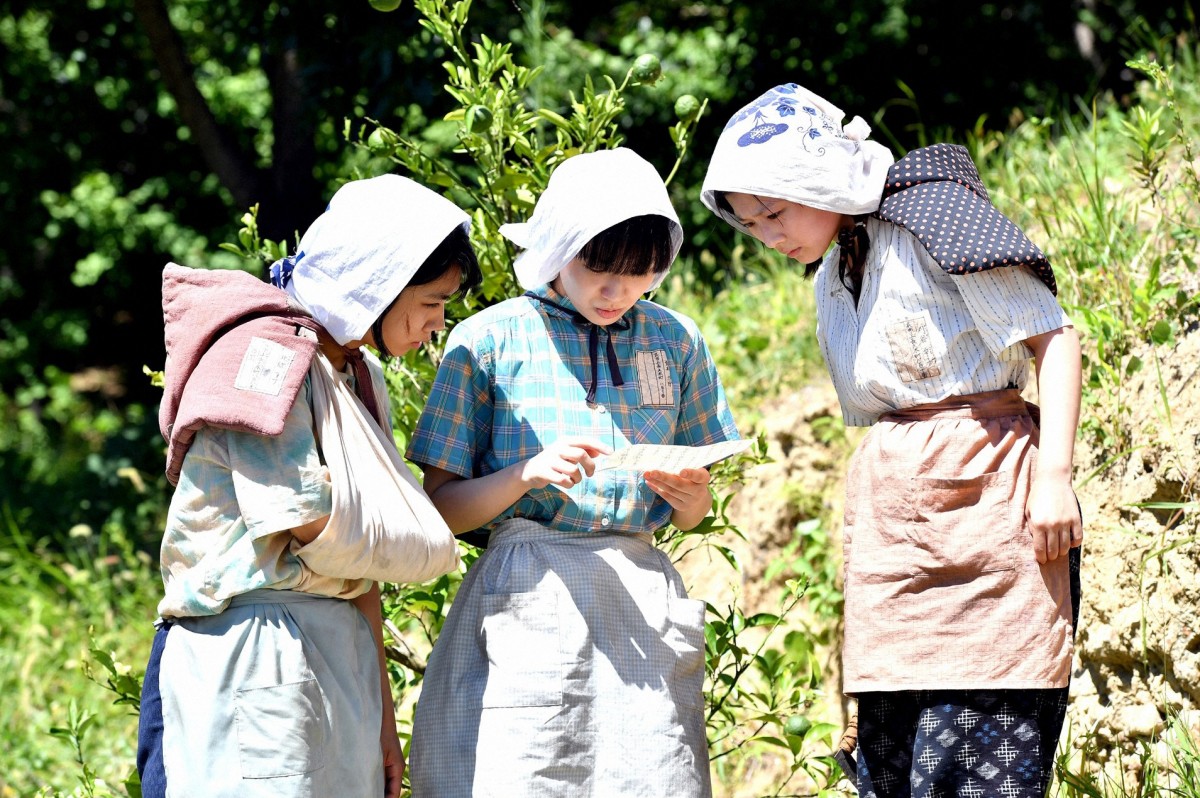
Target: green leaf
1162 332
773 741
554 118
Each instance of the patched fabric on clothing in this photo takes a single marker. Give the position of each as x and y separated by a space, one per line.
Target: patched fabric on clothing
278 695
942 587
237 353
919 335
515 378
936 194
932 743
236 491
569 664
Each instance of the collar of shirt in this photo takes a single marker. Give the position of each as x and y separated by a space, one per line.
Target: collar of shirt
562 306
593 329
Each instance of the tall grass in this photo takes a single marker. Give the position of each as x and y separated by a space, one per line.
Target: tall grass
1166 766
53 609
1115 194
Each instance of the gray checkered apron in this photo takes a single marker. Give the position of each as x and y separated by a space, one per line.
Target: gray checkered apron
570 664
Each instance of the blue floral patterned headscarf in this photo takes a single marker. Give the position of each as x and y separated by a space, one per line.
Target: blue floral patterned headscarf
790 144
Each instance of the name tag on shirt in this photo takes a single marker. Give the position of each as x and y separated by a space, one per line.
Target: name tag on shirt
264 367
912 344
656 388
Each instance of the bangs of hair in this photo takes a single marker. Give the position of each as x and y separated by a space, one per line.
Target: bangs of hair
634 247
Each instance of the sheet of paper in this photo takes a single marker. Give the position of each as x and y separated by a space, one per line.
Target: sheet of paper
672 459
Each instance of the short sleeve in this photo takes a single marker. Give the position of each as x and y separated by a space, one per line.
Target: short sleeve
704 415
1009 305
279 481
454 429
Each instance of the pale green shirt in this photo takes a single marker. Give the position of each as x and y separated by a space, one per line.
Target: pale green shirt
237 495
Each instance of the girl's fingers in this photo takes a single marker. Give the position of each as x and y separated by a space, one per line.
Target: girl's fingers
591 446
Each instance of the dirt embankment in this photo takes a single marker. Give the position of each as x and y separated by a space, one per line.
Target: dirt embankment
1137 660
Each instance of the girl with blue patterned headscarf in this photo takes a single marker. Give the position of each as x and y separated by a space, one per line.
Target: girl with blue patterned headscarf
961 528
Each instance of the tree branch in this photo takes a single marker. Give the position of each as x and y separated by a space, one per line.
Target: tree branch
233 167
296 193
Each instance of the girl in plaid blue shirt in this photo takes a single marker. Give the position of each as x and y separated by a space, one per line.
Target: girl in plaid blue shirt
572 661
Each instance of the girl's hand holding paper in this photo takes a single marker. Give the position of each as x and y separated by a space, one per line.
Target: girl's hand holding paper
687 492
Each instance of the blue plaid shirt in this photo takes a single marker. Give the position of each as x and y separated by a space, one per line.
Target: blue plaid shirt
515 378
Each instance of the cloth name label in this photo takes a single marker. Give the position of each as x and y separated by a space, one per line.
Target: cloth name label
655 386
264 367
911 342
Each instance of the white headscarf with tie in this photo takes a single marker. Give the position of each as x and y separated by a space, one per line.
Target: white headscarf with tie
361 252
586 195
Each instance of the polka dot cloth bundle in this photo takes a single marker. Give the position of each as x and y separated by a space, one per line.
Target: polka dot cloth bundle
935 193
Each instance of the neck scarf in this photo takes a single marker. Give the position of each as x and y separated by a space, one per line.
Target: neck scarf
614 365
933 185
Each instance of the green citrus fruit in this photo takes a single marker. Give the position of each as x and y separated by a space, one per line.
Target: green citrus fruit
381 141
647 69
797 725
686 107
385 5
479 118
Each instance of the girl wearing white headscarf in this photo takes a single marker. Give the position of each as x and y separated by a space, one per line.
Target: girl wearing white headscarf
266 677
959 590
572 660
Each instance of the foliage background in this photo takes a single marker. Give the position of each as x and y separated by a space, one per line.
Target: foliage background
138 131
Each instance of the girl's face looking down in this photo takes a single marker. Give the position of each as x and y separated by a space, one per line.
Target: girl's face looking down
798 231
418 313
601 297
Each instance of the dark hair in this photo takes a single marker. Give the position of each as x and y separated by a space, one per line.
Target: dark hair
634 247
455 251
722 198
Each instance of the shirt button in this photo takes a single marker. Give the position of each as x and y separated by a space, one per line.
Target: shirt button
605 521
601 409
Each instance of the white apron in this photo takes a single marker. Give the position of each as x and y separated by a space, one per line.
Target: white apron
276 696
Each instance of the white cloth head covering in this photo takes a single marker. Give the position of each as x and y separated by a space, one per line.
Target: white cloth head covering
361 252
790 144
586 195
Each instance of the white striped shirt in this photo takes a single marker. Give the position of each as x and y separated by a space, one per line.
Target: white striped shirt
920 335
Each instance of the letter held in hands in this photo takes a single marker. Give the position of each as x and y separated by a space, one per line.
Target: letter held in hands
671 459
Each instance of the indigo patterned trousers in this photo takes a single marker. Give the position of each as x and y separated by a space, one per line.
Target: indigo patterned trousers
969 743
